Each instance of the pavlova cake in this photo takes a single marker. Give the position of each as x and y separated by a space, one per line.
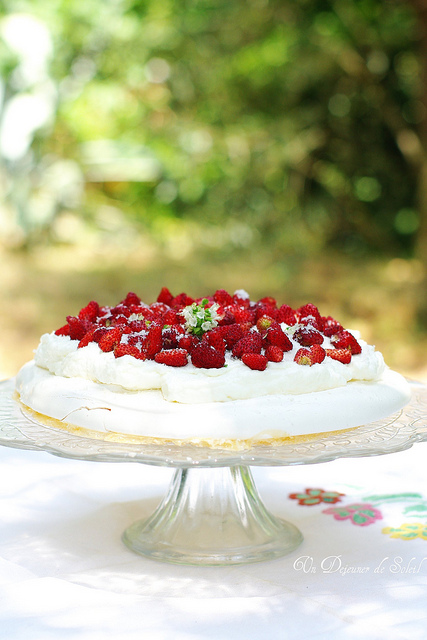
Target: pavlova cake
216 371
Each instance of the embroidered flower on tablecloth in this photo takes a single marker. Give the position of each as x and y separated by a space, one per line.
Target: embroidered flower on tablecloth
408 531
315 496
360 514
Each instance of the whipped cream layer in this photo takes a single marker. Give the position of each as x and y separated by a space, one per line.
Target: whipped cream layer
111 409
191 385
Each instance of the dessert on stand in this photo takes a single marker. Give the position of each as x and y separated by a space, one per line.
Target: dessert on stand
210 386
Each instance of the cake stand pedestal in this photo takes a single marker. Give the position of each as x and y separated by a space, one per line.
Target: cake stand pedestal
212 517
212 513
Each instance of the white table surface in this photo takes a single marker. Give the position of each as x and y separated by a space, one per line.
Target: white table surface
65 574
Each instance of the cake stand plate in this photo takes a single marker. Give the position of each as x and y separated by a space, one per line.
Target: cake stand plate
212 513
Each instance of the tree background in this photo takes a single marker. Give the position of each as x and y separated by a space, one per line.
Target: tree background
274 145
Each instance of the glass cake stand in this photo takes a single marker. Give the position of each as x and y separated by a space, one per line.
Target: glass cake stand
212 513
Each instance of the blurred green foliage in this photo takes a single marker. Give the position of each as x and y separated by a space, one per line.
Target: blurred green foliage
293 123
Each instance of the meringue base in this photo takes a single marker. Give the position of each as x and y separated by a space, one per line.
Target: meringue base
108 412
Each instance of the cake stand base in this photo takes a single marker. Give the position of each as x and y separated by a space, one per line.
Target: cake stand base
212 516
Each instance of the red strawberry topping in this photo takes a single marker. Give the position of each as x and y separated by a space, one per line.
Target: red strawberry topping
278 338
172 357
188 342
318 354
121 350
342 355
165 296
110 338
171 336
88 337
307 336
314 355
263 323
171 316
286 314
274 354
252 331
250 343
223 298
131 299
255 361
330 326
215 339
78 327
90 312
309 312
63 331
204 356
232 334
153 341
345 340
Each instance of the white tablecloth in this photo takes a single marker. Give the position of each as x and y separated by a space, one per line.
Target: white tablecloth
65 574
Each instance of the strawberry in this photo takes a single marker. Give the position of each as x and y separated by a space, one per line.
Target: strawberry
128 350
286 314
318 354
121 310
99 333
303 356
182 300
136 341
309 311
110 339
223 298
242 315
130 299
276 336
137 325
241 298
171 316
262 309
268 300
78 327
63 331
330 326
165 296
159 309
250 343
255 361
273 353
227 318
172 357
88 337
263 323
232 333
204 356
188 342
342 355
153 341
89 312
171 336
246 327
314 355
145 313
345 340
120 321
215 340
307 336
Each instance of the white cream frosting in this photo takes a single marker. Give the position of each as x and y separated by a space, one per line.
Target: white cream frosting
94 390
111 409
190 385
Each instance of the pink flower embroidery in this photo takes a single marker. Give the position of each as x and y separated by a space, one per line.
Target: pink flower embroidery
360 514
316 496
